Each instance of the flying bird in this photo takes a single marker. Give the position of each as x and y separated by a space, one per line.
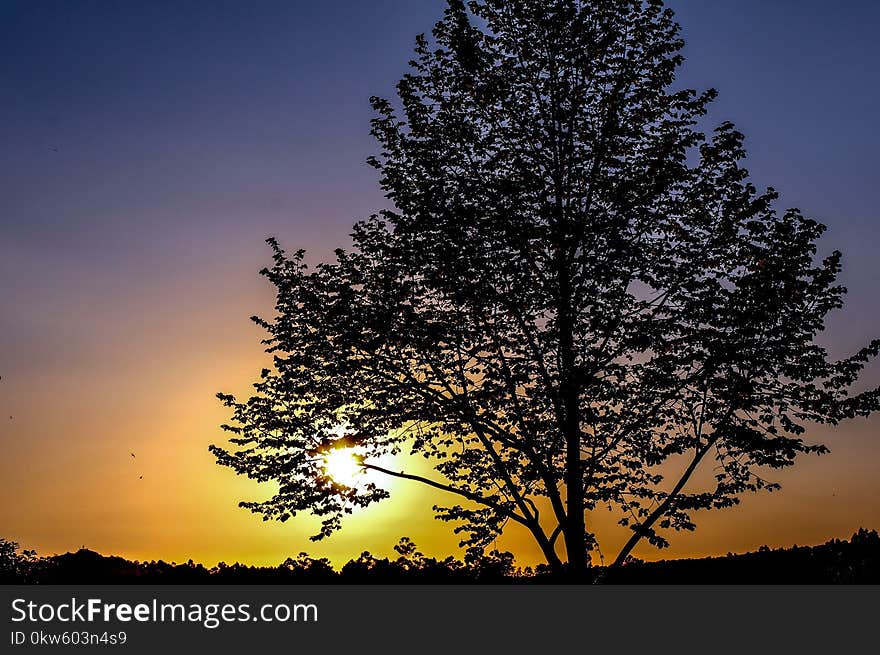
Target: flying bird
132 454
53 148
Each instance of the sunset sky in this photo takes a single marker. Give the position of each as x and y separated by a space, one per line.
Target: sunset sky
148 149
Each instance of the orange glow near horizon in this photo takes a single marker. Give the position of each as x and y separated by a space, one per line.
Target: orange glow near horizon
69 480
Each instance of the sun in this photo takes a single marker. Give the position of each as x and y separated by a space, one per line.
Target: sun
343 465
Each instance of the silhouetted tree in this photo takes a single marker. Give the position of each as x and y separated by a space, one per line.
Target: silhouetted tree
16 566
576 300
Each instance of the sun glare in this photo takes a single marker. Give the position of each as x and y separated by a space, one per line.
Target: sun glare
343 466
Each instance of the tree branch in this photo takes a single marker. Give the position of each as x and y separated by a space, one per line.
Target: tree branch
477 498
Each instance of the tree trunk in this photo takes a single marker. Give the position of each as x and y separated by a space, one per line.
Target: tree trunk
553 561
575 529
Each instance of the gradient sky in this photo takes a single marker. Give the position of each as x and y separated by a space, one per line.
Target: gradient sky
149 148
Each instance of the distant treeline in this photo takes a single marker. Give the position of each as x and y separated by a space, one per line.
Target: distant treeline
856 561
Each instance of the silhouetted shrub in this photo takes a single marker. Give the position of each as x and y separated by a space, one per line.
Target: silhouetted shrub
15 566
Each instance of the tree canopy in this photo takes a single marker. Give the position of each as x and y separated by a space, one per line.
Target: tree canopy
576 299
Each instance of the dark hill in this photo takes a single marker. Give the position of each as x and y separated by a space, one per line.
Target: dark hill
856 561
